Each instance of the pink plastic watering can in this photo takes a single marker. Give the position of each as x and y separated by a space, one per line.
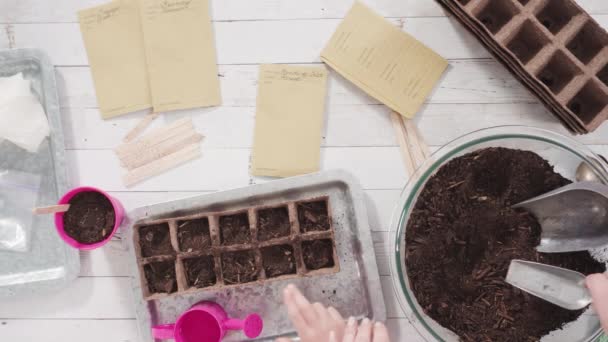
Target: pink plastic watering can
207 322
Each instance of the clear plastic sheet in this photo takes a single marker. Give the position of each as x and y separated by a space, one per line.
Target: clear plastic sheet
18 195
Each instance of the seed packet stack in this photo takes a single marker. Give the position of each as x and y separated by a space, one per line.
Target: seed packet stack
553 47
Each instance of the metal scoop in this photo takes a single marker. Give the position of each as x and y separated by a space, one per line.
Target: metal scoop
573 218
557 285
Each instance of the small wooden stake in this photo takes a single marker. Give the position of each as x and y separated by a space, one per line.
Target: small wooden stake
61 208
140 127
413 148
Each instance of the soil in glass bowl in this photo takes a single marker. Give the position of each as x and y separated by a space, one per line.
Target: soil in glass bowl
462 236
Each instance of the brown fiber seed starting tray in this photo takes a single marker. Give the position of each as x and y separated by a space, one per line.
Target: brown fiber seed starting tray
552 46
221 249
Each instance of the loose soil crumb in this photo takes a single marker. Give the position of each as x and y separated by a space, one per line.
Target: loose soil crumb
193 235
278 260
462 236
90 218
239 267
318 254
161 277
273 223
234 229
155 240
200 272
313 216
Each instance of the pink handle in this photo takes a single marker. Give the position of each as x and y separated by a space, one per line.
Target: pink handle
234 324
164 332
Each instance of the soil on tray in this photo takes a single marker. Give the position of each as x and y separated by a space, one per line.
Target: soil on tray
239 267
462 236
273 223
155 240
278 260
318 254
161 277
193 235
200 272
90 218
234 229
313 216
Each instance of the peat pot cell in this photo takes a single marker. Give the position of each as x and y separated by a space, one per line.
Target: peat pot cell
558 72
588 42
603 75
318 254
273 223
313 216
588 102
556 14
200 272
160 277
239 267
528 41
193 235
278 260
496 13
234 229
155 240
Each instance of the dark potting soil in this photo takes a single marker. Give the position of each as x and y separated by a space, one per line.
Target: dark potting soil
462 236
234 229
318 254
200 272
90 218
155 240
273 223
278 260
313 216
239 267
161 277
193 235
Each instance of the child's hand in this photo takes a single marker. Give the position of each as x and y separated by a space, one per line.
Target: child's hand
316 323
598 286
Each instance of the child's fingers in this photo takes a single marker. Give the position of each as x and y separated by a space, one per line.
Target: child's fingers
334 314
283 339
380 333
321 311
364 333
306 309
293 311
598 286
332 336
350 333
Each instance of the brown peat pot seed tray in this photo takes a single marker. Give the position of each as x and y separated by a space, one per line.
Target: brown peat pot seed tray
462 235
219 249
240 248
553 47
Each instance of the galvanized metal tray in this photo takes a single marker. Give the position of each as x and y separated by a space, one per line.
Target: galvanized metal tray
355 290
50 264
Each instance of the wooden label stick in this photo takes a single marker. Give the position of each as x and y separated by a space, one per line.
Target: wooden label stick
140 127
60 208
401 134
136 160
155 136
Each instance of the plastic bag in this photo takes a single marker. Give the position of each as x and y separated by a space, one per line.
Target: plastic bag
18 196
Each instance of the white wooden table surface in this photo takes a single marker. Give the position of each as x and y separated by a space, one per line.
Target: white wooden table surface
476 92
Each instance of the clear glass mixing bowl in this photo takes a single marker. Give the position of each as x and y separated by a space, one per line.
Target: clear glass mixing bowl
563 153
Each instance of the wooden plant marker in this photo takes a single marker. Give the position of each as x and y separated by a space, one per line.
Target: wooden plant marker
413 148
163 164
53 209
140 127
156 152
182 126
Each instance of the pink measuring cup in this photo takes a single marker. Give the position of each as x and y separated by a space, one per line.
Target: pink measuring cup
119 214
207 322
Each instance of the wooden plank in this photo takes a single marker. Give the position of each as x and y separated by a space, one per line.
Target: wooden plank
29 11
57 330
466 81
346 125
248 42
92 330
